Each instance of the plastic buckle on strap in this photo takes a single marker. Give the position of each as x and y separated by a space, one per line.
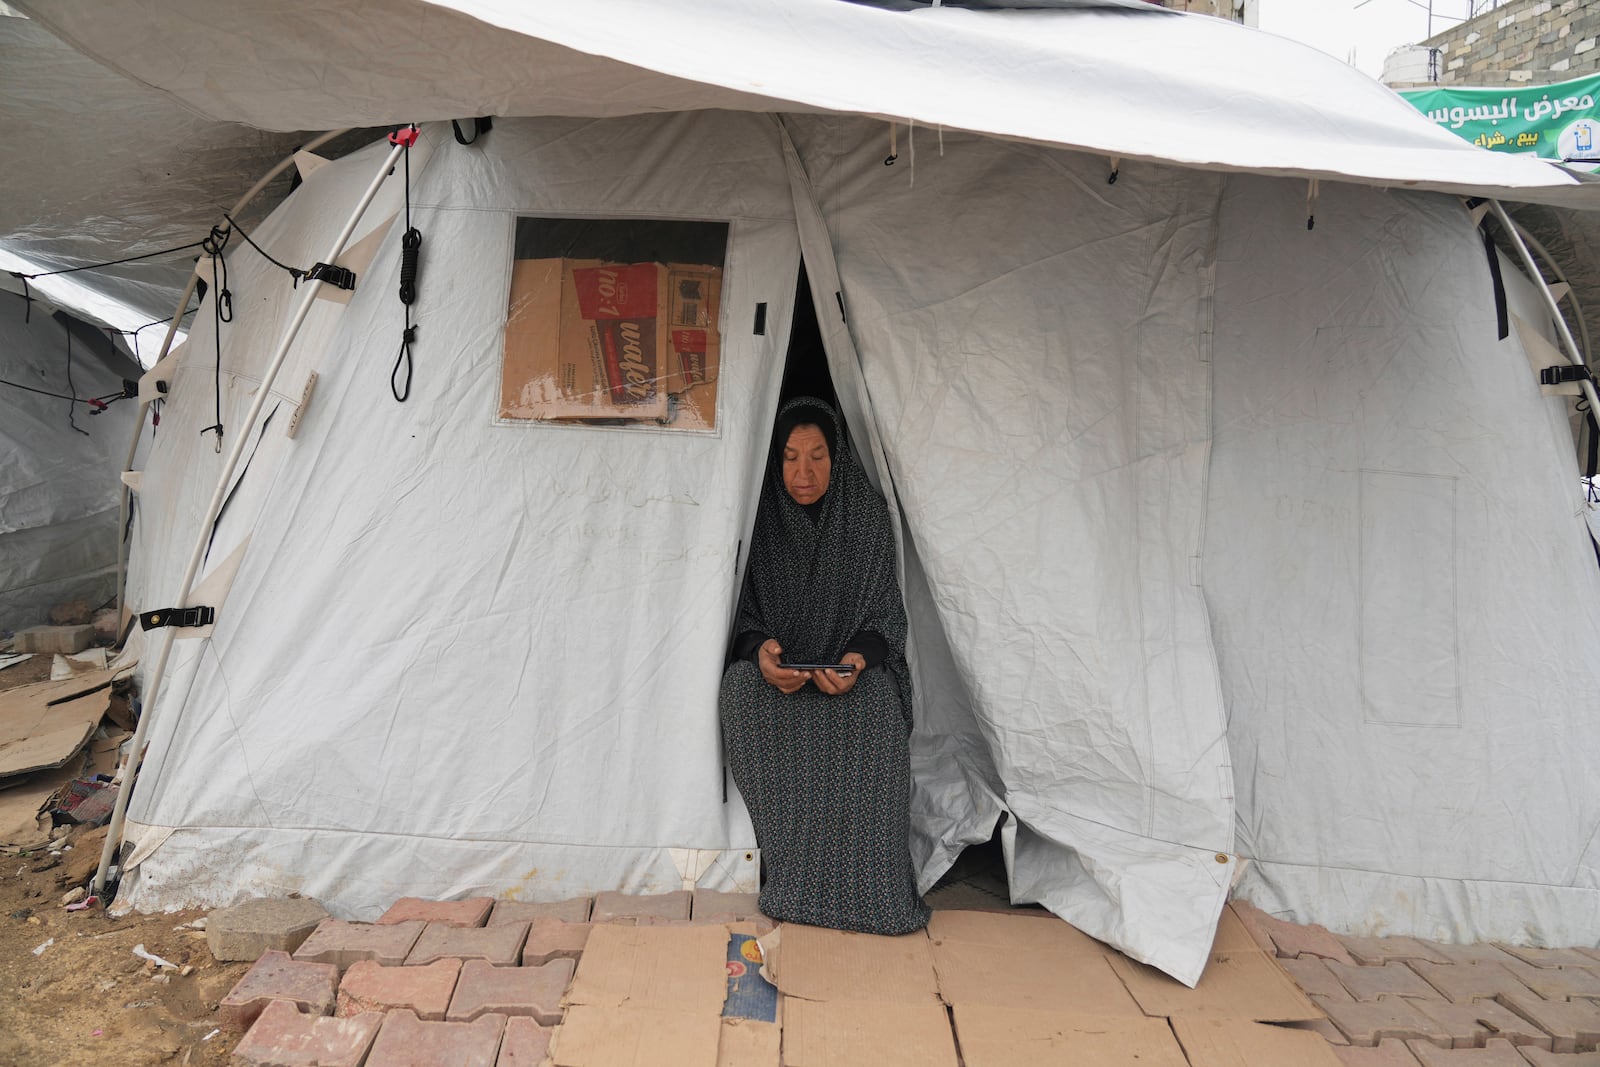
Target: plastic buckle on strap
1572 372
332 274
406 137
180 617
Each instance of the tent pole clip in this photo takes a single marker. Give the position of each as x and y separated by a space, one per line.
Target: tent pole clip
180 617
1572 372
332 274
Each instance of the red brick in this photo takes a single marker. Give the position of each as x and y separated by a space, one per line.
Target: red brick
406 1041
1461 982
549 940
1539 1057
1290 939
274 976
1557 983
711 906
470 912
575 910
1372 951
1495 1054
341 944
1573 1025
1474 1022
500 945
1386 980
526 1043
1312 975
283 1037
531 991
426 991
610 906
1549 957
1368 1022
1390 1052
1254 921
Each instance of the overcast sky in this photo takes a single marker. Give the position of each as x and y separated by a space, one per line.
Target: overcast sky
1368 33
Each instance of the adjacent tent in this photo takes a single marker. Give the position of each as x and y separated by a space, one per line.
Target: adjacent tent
1225 538
58 460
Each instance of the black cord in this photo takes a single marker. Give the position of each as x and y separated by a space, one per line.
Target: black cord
213 246
72 388
410 252
111 263
294 272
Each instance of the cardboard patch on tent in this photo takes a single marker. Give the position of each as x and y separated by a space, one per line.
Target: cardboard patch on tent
748 1043
1239 1043
1235 985
44 725
997 1036
597 1036
670 968
810 963
840 1032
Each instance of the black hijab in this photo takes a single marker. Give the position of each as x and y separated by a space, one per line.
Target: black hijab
816 581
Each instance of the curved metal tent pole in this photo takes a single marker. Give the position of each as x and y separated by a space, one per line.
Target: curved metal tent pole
152 689
1537 277
166 345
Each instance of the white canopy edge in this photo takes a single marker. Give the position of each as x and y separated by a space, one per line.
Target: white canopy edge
1190 90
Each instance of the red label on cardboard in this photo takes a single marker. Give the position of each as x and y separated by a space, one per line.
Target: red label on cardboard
628 348
616 291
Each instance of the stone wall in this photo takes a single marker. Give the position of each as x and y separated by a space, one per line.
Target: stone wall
1522 42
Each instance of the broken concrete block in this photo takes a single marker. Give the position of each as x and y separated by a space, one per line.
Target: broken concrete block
283 1036
245 931
526 1043
551 940
470 912
58 640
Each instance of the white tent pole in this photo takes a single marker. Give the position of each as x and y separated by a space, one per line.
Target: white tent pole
166 345
1537 277
241 437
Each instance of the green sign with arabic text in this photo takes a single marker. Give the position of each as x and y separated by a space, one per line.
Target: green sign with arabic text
1557 122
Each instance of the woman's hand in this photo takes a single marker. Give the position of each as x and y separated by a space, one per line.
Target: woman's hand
835 684
780 678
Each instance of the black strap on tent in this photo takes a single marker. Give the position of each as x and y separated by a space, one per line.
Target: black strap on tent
480 126
195 616
222 311
328 273
410 253
1502 321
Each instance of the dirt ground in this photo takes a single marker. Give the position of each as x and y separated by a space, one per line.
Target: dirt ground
86 998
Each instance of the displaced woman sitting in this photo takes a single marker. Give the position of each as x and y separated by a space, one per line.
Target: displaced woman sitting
821 756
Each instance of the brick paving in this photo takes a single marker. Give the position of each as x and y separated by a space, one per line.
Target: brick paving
484 982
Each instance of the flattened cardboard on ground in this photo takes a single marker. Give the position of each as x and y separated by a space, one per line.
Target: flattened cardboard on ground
847 1033
610 1036
46 724
996 1036
1020 977
23 797
670 968
1235 985
811 963
747 1043
1232 935
1015 930
1238 1043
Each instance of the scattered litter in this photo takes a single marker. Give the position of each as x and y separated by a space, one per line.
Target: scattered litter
185 971
22 913
74 896
198 924
97 1033
161 979
40 950
84 905
208 1037
140 1004
139 950
85 802
107 985
11 659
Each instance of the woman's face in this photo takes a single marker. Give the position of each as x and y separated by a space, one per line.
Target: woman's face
806 464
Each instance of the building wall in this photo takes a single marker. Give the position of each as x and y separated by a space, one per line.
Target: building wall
1520 42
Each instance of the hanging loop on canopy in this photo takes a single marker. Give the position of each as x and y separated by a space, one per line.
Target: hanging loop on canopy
894 144
1312 188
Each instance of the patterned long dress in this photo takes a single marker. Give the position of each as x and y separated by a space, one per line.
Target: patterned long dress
826 778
